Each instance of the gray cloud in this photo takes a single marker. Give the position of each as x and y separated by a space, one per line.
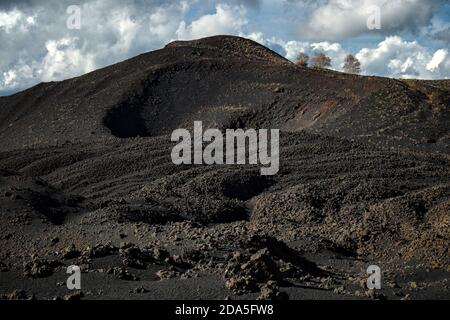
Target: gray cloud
341 19
443 35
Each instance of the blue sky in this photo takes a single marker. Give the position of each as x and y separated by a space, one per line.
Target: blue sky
37 44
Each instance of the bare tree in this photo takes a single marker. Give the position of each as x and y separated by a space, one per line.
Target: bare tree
302 59
352 65
320 60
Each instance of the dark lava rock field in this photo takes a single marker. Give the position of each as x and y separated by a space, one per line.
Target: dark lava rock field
86 179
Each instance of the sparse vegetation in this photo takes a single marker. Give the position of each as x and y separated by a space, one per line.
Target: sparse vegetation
320 60
302 59
352 64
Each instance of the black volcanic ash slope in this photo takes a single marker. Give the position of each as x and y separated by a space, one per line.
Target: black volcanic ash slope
86 178
226 82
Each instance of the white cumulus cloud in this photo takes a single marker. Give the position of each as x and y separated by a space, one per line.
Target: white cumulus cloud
439 57
395 57
226 20
64 59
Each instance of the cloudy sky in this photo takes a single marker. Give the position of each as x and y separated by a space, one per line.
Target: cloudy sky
41 41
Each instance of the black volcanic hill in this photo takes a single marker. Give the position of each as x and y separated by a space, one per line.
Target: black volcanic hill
226 82
86 178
